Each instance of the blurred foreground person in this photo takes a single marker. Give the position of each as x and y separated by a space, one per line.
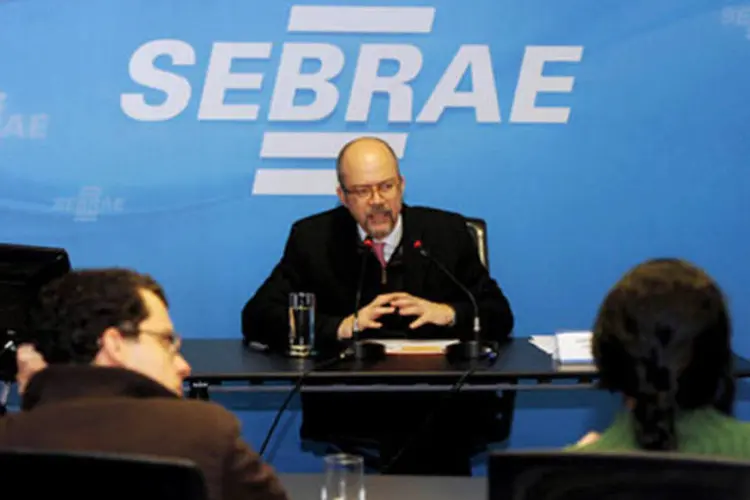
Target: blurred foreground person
662 339
107 377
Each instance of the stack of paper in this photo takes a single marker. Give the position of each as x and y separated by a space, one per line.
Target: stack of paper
570 350
574 348
403 346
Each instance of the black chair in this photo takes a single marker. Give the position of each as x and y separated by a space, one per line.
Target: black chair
478 230
40 474
615 476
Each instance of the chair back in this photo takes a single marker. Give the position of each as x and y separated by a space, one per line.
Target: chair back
57 474
478 230
608 476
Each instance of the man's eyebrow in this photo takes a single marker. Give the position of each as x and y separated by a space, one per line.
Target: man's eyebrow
392 179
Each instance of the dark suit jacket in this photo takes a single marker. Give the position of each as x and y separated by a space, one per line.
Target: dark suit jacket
119 411
323 256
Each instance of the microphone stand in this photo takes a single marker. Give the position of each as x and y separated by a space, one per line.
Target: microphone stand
364 350
465 349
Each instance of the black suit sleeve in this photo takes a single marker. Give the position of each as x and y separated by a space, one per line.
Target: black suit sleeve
494 310
265 317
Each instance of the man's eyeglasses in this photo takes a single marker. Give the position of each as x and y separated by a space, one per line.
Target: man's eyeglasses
170 339
385 189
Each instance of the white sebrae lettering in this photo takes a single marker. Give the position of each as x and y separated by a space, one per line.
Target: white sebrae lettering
21 126
472 60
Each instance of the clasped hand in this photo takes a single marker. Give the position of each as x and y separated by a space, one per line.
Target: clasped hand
424 311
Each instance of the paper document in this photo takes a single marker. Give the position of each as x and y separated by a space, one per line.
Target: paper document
404 346
544 342
574 347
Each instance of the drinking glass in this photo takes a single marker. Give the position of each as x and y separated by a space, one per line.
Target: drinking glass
301 324
344 478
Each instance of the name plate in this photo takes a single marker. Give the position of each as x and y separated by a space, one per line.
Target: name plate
573 348
418 347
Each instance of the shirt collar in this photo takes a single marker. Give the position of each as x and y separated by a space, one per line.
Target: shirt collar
392 240
65 382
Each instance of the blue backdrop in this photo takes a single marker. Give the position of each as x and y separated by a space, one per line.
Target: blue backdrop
182 138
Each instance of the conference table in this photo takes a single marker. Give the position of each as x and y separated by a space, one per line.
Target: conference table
227 365
377 487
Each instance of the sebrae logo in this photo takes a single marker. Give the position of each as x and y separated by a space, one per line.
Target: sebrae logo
469 60
90 203
737 15
21 125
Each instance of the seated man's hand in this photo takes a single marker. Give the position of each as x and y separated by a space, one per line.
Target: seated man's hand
29 362
367 316
426 312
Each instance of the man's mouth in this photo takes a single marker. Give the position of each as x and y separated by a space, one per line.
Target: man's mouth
380 217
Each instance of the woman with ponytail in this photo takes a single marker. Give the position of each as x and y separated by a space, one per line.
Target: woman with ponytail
662 339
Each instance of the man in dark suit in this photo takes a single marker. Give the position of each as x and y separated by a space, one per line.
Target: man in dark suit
403 294
108 376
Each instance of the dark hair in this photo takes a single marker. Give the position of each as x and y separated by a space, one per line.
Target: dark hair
663 338
342 153
73 311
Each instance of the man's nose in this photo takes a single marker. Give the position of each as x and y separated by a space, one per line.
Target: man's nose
183 367
376 198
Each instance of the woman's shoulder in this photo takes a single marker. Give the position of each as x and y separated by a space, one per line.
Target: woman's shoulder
618 436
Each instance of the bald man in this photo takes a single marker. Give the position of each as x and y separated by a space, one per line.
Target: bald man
403 295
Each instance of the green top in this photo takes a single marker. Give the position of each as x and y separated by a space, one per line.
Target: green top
700 432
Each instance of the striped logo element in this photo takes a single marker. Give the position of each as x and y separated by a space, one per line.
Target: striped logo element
326 145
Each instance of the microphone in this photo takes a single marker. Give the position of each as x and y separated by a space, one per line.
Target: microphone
468 349
364 249
364 350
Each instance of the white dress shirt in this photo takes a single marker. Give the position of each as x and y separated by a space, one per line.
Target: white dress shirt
391 241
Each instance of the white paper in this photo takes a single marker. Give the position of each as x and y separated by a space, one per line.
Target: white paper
544 342
574 347
406 346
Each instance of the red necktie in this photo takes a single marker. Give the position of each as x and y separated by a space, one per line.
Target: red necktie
379 249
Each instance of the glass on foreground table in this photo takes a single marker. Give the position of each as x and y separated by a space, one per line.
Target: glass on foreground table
344 478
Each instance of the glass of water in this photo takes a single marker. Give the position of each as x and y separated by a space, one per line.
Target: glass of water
301 324
344 478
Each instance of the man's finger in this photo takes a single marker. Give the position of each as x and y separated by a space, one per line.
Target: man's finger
404 302
376 312
383 299
410 311
388 297
420 321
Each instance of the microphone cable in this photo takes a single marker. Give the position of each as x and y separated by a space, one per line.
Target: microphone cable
456 388
447 398
297 387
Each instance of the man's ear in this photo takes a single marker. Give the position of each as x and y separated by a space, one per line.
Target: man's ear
340 193
112 350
